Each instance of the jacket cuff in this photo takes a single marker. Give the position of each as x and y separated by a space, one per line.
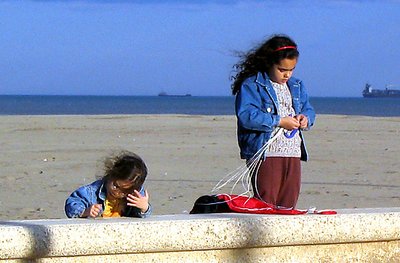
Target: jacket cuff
147 213
275 120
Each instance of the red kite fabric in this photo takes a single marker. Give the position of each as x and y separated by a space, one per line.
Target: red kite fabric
244 204
223 203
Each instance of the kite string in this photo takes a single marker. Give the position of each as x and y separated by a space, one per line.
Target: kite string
243 173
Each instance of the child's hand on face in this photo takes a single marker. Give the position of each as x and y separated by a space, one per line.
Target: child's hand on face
138 200
92 211
302 120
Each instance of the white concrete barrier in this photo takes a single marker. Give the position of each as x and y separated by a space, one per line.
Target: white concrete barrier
361 235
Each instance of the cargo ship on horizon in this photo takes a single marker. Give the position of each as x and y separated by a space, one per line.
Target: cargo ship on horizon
370 92
164 94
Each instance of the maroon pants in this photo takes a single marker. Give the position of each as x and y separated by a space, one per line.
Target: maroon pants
278 181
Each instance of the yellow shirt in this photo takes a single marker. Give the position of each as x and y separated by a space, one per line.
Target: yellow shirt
113 207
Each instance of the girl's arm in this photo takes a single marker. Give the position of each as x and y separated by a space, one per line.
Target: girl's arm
249 111
138 204
92 211
149 210
307 109
77 203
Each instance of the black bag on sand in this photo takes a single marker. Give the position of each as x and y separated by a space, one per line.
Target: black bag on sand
210 204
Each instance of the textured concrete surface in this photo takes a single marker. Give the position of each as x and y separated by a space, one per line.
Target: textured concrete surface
366 235
359 252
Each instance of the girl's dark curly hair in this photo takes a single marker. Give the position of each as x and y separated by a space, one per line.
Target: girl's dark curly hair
126 166
262 58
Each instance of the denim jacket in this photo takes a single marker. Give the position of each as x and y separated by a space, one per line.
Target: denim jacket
257 112
95 193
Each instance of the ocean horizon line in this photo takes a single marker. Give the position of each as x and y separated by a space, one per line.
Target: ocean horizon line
191 105
169 95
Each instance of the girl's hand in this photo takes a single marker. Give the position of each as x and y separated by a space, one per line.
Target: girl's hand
302 120
289 123
138 200
92 211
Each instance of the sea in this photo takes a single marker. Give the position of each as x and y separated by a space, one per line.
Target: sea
190 105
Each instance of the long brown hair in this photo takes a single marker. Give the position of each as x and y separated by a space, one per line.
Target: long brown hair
262 58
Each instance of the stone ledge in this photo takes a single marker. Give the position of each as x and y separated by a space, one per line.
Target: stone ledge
33 239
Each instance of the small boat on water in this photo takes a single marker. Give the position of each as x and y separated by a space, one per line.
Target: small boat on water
370 92
164 94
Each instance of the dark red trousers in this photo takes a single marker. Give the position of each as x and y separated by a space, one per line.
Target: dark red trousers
278 181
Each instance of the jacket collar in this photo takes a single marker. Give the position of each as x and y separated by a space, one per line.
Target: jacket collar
103 190
263 79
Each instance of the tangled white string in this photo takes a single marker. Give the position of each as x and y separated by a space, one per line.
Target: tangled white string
242 175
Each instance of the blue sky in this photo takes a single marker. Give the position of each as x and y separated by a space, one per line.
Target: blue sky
144 47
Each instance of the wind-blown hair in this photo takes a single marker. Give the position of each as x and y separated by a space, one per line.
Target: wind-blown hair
126 166
262 58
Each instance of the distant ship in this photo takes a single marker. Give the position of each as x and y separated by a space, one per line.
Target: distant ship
164 94
369 92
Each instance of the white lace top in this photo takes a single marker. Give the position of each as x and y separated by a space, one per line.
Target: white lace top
282 146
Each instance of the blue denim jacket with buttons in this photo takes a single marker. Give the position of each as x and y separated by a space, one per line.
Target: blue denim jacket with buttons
95 193
256 108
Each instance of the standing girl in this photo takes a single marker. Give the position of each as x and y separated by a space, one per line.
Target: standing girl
268 98
119 193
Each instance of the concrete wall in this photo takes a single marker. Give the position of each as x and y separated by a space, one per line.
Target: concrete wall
357 235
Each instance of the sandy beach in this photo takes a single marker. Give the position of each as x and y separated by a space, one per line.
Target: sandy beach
354 160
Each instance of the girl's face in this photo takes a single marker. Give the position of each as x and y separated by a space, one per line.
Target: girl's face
280 73
119 188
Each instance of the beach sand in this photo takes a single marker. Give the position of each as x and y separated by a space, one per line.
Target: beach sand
354 160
